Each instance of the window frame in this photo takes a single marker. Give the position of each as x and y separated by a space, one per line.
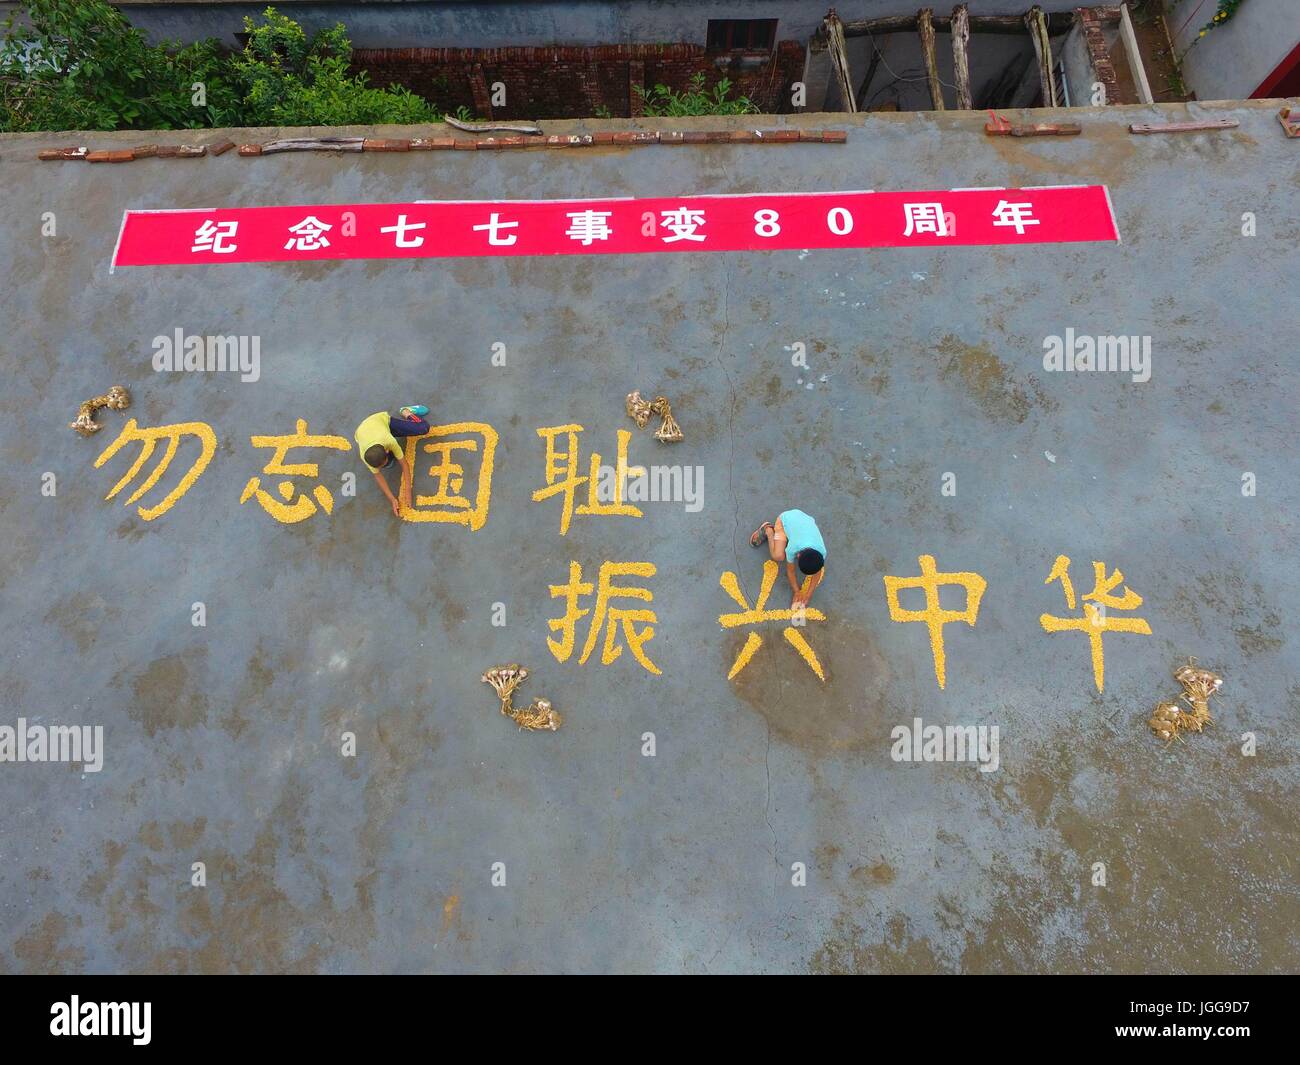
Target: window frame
740 34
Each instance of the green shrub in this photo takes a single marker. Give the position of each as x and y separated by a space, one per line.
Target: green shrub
661 101
288 79
82 65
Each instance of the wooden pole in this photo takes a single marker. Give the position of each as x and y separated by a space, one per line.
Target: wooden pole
840 59
1037 24
960 64
925 23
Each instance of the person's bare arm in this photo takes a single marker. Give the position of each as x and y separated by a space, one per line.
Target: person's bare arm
383 487
792 575
804 596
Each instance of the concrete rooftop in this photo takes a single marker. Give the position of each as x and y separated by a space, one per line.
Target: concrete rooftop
223 742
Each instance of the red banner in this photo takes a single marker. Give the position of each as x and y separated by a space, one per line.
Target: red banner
426 230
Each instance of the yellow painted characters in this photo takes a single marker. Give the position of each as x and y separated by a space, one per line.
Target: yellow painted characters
1097 604
759 613
132 433
457 497
934 617
302 508
563 478
607 616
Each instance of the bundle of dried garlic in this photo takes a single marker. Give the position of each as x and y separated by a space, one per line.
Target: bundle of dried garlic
1169 720
117 398
669 432
504 681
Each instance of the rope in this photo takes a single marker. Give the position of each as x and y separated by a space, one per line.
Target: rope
1189 18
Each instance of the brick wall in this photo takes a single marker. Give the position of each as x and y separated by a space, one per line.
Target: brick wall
572 82
1090 21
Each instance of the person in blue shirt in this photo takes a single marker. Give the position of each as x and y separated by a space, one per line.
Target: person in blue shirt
795 540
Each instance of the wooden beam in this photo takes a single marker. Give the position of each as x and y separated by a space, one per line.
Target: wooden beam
1184 127
840 59
960 64
1134 56
1057 22
885 24
314 144
1037 24
925 24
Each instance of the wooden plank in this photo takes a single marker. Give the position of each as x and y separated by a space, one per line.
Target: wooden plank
1134 56
530 128
314 144
840 60
1043 50
885 24
1183 127
925 24
960 63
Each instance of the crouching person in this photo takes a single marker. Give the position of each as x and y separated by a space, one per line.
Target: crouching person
377 441
795 540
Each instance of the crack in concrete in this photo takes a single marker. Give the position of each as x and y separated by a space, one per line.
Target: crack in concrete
731 420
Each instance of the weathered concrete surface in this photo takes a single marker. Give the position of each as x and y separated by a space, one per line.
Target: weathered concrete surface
1235 58
223 742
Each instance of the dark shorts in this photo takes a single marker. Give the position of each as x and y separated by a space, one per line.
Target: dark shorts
412 426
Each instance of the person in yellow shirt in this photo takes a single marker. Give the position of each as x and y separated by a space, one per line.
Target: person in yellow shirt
377 438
